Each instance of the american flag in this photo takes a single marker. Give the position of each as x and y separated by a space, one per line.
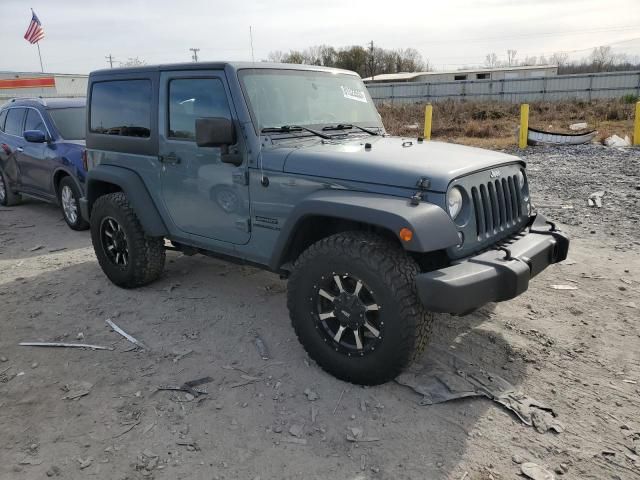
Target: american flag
35 32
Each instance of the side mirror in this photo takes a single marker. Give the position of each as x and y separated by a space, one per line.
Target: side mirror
35 136
215 132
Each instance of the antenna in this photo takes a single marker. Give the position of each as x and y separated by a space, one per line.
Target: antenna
263 180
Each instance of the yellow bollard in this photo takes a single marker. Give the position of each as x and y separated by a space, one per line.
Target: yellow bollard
524 125
428 114
636 128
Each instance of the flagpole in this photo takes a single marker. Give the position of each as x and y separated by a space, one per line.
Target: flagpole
40 57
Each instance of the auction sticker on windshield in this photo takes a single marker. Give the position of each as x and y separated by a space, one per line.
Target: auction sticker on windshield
353 94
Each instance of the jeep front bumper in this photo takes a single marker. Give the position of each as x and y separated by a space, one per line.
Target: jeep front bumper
495 275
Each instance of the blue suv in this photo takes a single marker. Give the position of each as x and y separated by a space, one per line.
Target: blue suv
42 153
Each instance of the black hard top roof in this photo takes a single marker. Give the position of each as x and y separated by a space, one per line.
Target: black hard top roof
217 66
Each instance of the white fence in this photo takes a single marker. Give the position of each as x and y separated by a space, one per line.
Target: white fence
517 90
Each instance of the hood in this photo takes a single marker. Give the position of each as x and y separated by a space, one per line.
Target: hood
389 162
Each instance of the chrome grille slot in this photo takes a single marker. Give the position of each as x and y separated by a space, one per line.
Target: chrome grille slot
497 206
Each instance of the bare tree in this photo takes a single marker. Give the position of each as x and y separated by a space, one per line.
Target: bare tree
559 58
491 60
277 56
511 57
602 58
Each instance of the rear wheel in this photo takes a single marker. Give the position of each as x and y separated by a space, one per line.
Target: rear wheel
69 200
353 304
128 256
7 197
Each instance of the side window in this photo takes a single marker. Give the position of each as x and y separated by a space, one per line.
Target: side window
13 124
121 107
3 117
34 121
192 98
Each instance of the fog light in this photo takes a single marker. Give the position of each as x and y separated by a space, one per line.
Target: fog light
406 235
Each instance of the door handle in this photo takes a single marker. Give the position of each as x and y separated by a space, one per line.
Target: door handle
19 149
170 158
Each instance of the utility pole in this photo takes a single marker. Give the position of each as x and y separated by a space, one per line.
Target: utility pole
371 60
110 59
195 51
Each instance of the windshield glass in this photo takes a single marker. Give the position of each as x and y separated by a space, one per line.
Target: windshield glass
70 122
296 97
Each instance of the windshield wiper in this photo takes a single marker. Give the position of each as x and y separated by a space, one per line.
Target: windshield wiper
347 126
295 128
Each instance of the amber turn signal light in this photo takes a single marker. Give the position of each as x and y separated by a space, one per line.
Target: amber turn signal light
406 235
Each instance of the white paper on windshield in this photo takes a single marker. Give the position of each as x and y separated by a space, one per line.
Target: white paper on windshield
353 94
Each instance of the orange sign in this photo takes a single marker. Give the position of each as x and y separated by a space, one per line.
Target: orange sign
39 82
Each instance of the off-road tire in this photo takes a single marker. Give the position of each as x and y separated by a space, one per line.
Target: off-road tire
10 198
387 268
80 223
146 254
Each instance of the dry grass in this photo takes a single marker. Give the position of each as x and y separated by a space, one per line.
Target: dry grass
494 124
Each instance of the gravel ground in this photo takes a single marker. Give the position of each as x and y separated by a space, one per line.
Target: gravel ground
575 350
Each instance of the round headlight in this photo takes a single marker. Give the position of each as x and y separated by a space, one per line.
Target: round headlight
520 177
454 202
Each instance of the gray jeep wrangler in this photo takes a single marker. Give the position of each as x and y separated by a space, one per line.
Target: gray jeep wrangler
289 168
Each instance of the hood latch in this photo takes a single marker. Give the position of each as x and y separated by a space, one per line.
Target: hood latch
423 184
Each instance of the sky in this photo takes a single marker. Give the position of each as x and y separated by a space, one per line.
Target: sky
449 34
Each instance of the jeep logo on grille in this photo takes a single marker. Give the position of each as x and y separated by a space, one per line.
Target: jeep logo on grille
494 173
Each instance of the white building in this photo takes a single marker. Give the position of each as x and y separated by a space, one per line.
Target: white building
503 73
30 84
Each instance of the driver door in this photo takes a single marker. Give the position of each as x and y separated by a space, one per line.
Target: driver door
202 195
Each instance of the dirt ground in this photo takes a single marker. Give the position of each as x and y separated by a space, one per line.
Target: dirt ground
576 350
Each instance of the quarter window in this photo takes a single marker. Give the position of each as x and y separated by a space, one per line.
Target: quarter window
3 117
34 121
192 98
13 124
121 107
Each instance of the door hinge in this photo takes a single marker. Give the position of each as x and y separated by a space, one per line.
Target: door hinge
240 177
244 224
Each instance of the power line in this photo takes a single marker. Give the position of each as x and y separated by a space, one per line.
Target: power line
195 51
110 59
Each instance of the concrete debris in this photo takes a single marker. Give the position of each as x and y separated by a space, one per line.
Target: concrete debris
132 339
578 126
536 472
616 141
311 395
189 387
53 471
84 463
595 199
37 247
180 355
297 430
356 434
76 390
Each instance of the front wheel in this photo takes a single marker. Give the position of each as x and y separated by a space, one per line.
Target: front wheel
128 256
354 306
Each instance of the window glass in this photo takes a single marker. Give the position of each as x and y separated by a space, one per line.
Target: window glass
13 124
3 116
34 121
192 98
70 122
296 97
121 107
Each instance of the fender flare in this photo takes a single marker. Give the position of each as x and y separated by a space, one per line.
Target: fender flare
432 227
68 172
135 190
